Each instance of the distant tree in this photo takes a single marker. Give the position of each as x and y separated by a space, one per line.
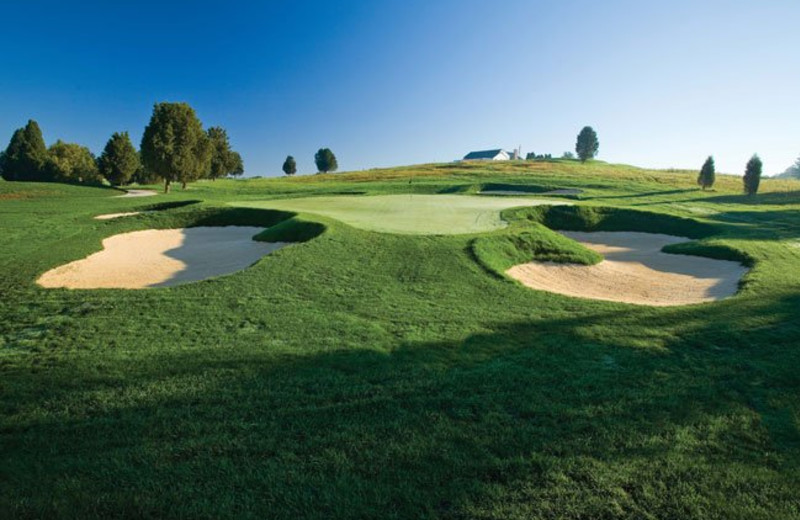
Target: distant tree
174 145
707 174
224 161
325 160
568 155
238 164
144 176
289 166
530 156
792 172
752 175
70 162
119 160
26 155
587 145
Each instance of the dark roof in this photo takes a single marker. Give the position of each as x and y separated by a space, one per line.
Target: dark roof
485 154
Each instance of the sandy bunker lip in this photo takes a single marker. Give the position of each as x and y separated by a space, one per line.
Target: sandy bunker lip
635 270
110 216
136 193
162 258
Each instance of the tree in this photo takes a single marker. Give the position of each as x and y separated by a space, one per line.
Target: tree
792 172
238 164
289 166
26 155
568 155
325 160
144 176
174 145
119 160
70 162
707 173
752 175
587 145
224 161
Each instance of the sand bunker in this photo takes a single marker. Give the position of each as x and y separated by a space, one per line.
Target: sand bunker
109 216
562 191
635 271
137 193
162 257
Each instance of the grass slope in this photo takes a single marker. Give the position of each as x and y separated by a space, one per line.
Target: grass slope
371 375
408 214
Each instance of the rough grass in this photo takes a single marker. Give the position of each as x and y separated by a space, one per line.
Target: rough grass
373 375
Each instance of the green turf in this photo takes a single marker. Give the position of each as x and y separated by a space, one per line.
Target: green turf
409 213
373 375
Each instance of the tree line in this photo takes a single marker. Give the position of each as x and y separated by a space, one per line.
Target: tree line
174 148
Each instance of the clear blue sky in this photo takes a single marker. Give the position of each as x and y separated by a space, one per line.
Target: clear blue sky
397 82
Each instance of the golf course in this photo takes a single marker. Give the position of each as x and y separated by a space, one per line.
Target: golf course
525 339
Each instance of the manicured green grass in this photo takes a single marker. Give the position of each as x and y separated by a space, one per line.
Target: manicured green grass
412 214
374 375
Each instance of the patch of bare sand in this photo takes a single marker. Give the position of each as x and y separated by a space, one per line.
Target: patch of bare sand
109 216
635 270
136 193
561 191
162 258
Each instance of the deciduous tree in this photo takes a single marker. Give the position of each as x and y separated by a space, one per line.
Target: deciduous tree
70 162
119 160
325 160
289 166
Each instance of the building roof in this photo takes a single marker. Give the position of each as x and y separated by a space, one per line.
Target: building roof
484 154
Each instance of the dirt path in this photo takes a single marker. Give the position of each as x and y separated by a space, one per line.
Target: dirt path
161 258
635 271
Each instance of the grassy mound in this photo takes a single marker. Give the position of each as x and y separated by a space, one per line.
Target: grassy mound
592 218
499 252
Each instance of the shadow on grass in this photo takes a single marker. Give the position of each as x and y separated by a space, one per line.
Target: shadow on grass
531 420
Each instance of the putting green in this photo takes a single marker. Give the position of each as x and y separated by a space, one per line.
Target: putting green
408 214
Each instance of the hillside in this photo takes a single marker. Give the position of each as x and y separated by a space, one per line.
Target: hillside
364 374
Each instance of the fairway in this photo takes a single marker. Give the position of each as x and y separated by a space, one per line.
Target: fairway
409 214
355 374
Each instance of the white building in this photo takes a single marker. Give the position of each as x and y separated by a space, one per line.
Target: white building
491 155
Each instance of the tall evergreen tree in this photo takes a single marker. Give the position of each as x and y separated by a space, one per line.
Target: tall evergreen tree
587 144
224 161
752 175
119 160
289 166
707 174
26 155
325 160
174 145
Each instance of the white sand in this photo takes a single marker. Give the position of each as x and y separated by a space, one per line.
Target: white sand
161 258
109 216
562 191
635 271
137 193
